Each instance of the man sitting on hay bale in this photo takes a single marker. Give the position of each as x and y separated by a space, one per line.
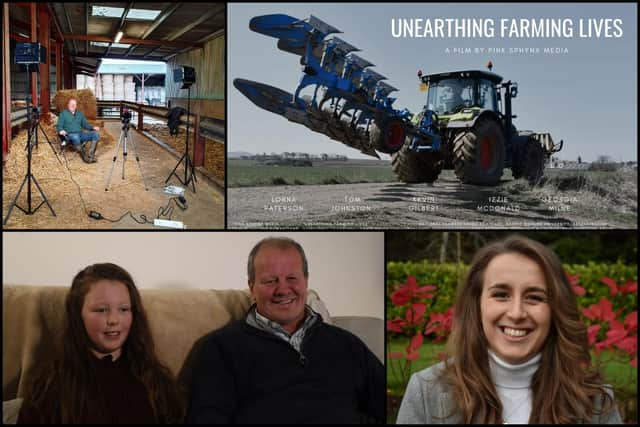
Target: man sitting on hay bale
71 123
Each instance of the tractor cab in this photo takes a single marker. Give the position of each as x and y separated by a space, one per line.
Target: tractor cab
450 93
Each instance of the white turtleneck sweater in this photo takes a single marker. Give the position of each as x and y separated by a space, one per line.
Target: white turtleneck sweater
513 384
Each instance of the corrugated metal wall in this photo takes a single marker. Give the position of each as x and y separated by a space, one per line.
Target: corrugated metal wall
209 65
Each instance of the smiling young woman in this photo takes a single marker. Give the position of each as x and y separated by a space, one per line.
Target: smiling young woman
519 352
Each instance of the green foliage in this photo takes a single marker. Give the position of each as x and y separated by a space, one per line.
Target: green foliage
244 173
447 276
589 279
444 276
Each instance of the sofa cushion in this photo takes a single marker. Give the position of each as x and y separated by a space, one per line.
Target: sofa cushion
10 410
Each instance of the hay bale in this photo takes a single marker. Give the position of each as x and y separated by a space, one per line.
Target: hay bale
85 98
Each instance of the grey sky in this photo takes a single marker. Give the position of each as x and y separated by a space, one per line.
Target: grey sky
587 97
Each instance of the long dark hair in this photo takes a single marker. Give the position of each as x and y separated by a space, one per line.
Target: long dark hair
69 377
564 388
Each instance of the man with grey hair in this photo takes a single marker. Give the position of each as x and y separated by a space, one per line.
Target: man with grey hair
71 123
282 363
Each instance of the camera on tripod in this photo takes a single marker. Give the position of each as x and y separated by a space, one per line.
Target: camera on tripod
126 118
34 114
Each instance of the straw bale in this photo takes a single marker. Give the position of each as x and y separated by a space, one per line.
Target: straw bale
85 99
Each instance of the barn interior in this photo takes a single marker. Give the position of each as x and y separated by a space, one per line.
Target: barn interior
144 172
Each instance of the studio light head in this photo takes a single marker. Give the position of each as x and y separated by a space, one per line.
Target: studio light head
29 53
185 75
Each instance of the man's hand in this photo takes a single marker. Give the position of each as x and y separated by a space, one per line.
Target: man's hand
62 132
96 128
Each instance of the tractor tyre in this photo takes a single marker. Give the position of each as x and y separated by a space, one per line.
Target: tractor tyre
479 154
388 136
532 163
411 167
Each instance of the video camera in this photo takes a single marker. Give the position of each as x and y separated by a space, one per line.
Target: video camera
126 117
33 115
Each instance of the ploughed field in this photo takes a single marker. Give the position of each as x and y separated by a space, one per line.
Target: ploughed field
366 194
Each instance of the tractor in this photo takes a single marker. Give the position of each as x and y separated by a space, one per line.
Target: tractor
466 124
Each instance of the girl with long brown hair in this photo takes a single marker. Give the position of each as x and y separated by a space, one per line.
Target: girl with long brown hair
519 352
107 370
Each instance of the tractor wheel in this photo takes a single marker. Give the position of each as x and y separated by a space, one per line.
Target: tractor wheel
410 166
388 136
532 163
479 154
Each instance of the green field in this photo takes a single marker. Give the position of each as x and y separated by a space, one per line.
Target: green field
618 186
246 173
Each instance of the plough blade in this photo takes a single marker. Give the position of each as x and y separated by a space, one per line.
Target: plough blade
342 46
278 26
267 97
349 98
358 62
386 89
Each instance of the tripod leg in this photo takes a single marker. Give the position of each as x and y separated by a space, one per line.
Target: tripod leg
113 165
44 198
173 172
15 200
135 153
49 142
124 153
188 166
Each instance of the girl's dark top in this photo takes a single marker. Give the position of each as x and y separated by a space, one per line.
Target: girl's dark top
126 399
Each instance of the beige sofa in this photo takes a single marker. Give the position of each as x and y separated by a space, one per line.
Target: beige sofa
32 321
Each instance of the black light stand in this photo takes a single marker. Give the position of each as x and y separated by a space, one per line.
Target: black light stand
189 168
29 177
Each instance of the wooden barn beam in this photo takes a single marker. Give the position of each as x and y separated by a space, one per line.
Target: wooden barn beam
58 45
6 82
45 69
212 11
130 40
56 24
34 38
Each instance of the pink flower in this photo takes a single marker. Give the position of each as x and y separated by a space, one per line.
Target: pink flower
613 286
414 346
592 333
631 321
396 325
440 324
629 288
600 311
573 281
415 313
409 291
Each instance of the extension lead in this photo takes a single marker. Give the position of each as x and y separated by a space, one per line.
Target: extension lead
167 210
95 215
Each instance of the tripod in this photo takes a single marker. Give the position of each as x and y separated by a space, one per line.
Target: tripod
188 164
29 177
124 137
36 125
